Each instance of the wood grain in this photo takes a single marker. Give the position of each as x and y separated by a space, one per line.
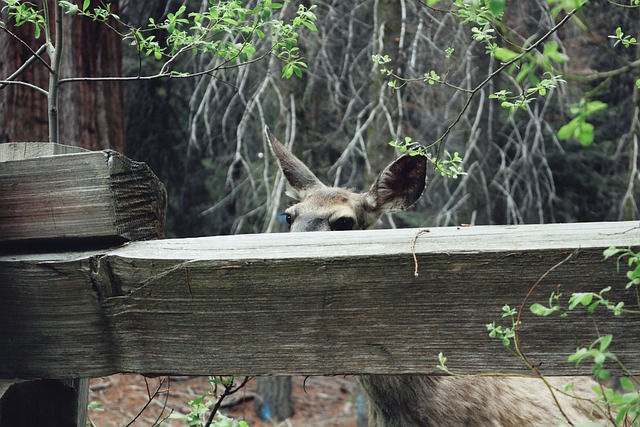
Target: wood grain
80 197
311 303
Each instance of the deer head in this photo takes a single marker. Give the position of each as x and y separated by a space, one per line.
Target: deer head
323 208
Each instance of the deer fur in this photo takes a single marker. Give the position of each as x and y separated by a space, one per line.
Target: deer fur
422 400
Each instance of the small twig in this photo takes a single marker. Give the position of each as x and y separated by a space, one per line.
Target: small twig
150 397
4 83
23 67
524 302
518 347
228 391
413 249
159 419
26 45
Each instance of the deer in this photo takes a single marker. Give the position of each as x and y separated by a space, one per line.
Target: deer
418 399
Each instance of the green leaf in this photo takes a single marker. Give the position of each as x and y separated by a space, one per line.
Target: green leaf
287 71
594 106
611 251
638 83
586 134
310 26
583 298
504 54
605 341
496 7
550 51
626 384
85 5
567 130
525 70
541 310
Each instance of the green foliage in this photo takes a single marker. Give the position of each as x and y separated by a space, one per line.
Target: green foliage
565 5
431 77
633 262
505 333
623 401
554 306
94 405
533 65
597 351
522 100
228 30
625 39
199 413
24 12
626 401
579 128
204 409
442 363
451 167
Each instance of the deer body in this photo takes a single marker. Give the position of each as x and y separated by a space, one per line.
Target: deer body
421 400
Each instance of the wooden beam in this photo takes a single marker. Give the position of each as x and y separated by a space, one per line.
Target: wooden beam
82 197
311 303
11 151
65 401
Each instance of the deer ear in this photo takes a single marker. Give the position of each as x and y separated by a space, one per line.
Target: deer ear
400 185
299 177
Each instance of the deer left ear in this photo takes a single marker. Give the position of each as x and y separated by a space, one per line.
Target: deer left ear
299 177
400 185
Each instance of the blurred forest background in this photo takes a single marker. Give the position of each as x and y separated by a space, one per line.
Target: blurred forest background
204 138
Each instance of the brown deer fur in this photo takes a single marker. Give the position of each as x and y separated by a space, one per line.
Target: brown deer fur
421 400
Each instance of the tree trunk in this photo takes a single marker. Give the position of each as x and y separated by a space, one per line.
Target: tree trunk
274 398
91 114
388 29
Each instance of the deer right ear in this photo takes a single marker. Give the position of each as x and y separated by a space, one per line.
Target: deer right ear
299 177
400 185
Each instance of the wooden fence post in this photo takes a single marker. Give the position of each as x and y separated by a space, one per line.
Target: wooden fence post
63 402
57 216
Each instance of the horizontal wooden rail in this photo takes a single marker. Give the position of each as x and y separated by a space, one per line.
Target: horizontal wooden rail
311 303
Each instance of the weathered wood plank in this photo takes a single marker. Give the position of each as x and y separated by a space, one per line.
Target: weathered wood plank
79 197
66 400
28 150
309 303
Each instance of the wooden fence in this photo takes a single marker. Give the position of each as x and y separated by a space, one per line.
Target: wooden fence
79 299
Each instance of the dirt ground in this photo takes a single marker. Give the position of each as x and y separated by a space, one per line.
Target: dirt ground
319 402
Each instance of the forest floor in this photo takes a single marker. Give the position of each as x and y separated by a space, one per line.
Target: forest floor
124 401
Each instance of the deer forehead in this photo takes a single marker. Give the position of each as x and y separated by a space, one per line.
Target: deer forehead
329 202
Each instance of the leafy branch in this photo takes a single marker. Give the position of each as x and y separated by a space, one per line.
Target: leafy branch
210 403
620 406
228 31
484 15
